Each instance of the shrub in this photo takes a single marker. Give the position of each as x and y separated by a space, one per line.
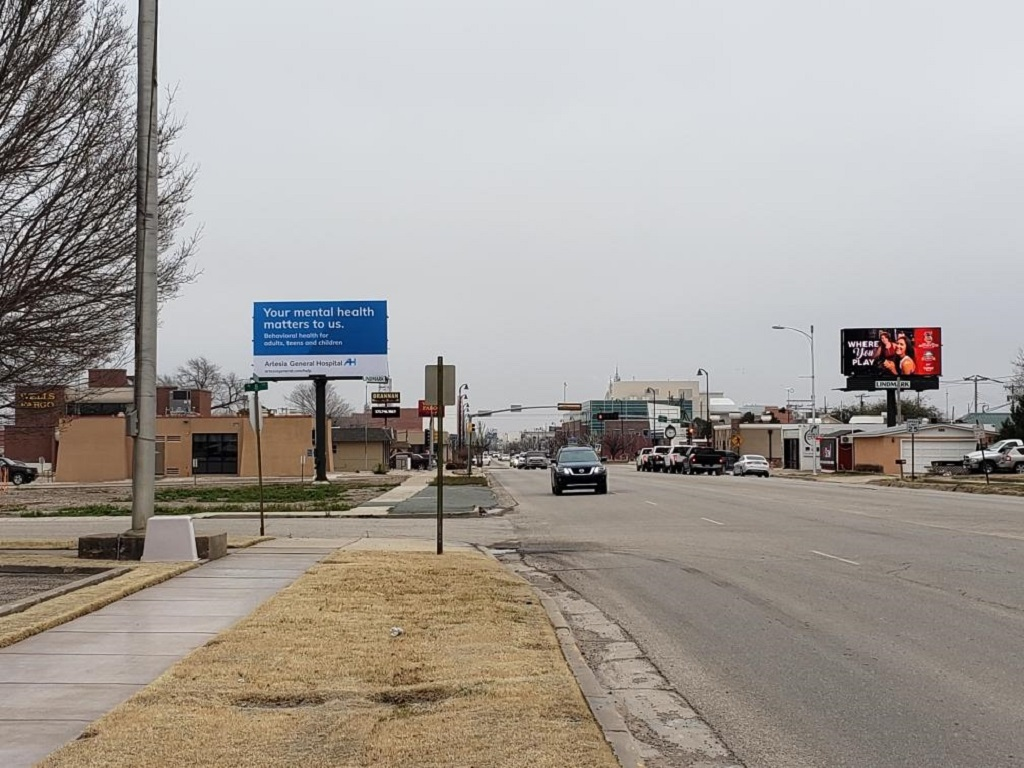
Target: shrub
873 468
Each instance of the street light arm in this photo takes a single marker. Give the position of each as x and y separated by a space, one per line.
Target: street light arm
803 333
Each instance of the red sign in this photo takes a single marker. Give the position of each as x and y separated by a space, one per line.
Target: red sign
427 409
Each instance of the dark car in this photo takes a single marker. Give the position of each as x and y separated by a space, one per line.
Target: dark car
17 472
577 467
731 457
705 460
416 460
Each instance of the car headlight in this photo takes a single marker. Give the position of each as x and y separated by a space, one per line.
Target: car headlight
566 470
599 470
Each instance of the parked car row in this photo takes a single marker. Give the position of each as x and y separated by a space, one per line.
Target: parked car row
699 459
1003 456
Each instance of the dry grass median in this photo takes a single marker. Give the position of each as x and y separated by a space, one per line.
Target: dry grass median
315 677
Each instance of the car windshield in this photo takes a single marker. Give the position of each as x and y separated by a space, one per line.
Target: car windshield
755 457
577 454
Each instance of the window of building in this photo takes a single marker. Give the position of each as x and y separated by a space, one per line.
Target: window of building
215 454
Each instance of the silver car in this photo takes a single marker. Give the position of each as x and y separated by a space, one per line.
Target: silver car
751 464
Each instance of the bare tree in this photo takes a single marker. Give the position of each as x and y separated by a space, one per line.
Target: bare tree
303 398
67 190
198 373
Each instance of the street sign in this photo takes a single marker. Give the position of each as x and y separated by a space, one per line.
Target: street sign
570 406
447 380
426 409
255 411
255 386
385 397
893 384
377 379
385 411
336 339
913 425
515 408
484 413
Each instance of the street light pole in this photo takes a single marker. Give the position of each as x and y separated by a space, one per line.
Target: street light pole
814 402
654 415
707 401
458 417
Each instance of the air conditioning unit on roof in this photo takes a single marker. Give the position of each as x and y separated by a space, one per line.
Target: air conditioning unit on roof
846 439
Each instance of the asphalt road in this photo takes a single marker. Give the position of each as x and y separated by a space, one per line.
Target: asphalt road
810 624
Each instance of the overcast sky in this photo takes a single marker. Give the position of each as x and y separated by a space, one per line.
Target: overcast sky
543 191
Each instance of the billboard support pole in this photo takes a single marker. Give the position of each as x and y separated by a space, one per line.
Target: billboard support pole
320 388
890 407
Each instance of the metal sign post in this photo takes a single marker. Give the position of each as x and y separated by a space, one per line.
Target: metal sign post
254 386
439 388
913 425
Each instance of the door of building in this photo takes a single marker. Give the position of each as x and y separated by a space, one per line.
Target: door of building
791 453
215 454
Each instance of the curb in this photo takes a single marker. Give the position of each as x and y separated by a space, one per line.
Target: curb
600 702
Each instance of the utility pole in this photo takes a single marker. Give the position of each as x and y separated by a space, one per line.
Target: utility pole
146 231
976 378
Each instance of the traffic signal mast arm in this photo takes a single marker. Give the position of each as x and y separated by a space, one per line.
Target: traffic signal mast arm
518 408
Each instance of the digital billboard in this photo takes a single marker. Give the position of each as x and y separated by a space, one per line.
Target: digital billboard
891 353
337 339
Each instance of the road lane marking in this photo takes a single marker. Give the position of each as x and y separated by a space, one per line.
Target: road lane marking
650 502
708 519
833 557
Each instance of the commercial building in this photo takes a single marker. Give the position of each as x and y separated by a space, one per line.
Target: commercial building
82 432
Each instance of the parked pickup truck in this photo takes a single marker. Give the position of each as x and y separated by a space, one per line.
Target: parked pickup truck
641 459
705 460
675 461
656 459
988 460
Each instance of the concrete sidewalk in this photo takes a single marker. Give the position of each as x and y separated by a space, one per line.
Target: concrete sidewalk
54 684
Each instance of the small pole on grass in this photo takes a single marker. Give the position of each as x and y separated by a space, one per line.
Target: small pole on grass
259 456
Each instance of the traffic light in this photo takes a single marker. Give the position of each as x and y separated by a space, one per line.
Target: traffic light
426 437
607 416
472 427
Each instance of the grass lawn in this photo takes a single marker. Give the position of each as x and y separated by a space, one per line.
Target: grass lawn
317 677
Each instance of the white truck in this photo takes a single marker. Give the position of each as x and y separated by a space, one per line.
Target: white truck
985 460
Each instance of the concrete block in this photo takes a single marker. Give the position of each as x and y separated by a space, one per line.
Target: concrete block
212 546
170 540
111 546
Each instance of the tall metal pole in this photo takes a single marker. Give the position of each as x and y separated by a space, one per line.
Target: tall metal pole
814 413
814 408
440 455
259 455
146 231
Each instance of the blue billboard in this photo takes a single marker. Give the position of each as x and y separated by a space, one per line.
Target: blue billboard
338 339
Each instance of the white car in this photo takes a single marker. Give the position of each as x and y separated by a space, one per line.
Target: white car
751 464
